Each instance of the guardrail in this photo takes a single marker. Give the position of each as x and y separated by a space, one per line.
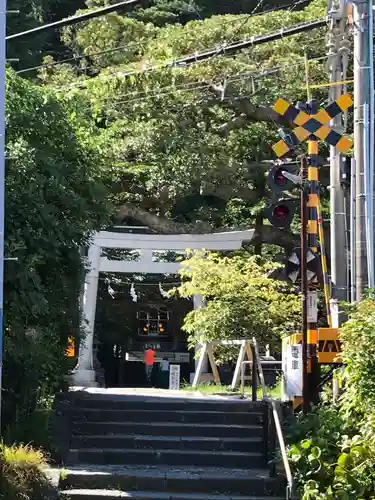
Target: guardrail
254 382
274 412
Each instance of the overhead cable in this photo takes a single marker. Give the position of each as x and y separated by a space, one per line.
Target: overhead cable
141 96
75 19
142 44
223 50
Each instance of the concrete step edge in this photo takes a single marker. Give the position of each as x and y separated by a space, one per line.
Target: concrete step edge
171 424
166 410
167 450
150 437
160 495
187 472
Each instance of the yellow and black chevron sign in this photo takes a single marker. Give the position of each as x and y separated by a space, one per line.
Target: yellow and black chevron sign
313 126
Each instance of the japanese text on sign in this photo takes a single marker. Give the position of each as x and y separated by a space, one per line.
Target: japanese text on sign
174 377
293 370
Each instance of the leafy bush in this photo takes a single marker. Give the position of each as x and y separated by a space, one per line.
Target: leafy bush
240 300
21 474
54 201
333 450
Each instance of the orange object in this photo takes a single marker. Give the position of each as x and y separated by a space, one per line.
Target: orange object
70 351
149 357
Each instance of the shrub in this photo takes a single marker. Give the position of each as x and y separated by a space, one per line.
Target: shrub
21 474
333 448
240 300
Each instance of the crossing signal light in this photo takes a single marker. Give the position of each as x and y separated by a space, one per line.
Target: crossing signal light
277 180
281 213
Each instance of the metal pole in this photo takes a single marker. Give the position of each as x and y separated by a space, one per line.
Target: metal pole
326 284
337 200
352 232
371 141
366 180
361 64
2 179
304 286
312 243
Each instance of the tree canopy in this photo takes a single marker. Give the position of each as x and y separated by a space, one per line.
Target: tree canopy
240 301
54 200
184 146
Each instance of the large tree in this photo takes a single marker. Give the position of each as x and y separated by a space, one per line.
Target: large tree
184 145
54 201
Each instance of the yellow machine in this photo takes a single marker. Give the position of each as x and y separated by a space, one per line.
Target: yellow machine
329 345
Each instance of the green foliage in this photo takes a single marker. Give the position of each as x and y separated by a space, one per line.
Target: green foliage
171 145
333 454
55 200
358 336
241 302
33 13
21 474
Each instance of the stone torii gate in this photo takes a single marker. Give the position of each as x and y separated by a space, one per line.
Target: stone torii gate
147 245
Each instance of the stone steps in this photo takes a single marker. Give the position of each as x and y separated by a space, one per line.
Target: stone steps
149 495
82 428
167 449
134 441
118 402
206 479
123 456
176 416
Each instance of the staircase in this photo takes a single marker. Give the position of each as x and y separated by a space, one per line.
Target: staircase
148 447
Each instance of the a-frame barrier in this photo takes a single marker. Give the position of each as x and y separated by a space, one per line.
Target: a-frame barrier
207 350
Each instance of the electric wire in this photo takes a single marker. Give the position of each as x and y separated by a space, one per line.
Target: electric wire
82 56
141 44
260 73
145 95
74 19
207 55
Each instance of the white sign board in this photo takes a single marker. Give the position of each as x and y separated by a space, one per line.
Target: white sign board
312 307
293 370
334 305
174 377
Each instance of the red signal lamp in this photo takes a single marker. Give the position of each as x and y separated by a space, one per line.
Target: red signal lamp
279 178
276 179
281 213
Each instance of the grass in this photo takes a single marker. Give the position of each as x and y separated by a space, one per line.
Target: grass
21 474
22 455
209 388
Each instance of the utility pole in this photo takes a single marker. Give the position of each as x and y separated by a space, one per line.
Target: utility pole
2 178
361 92
337 21
313 372
304 286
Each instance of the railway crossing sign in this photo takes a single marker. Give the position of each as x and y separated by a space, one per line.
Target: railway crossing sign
313 126
293 266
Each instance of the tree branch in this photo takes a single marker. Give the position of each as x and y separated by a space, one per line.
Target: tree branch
158 223
272 236
244 107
